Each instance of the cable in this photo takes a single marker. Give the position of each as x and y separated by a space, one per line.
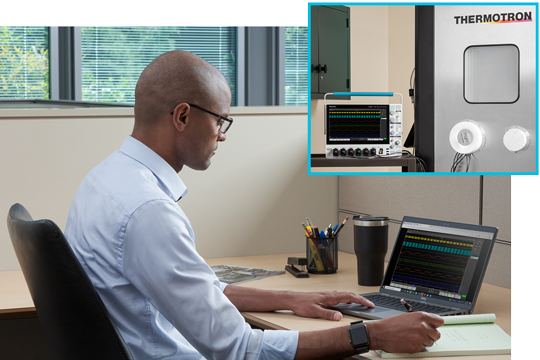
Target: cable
458 158
410 81
421 164
411 86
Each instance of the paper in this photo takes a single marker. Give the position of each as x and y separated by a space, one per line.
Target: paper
231 274
465 335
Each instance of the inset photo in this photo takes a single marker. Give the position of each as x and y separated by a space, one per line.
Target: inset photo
437 89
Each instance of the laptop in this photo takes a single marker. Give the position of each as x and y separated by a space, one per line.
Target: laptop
436 266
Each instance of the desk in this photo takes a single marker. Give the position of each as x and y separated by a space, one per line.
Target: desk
15 300
407 163
492 299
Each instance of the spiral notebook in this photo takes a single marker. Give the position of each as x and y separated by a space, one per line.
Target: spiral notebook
464 335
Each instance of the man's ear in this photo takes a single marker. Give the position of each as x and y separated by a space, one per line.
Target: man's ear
180 116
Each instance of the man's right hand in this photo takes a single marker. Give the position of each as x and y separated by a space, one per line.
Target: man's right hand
405 333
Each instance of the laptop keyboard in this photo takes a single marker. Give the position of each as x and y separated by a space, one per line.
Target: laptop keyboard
395 304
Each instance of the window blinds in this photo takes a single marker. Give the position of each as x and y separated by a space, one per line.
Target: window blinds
24 62
296 66
114 57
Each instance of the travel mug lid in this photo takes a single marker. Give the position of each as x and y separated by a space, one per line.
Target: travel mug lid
370 220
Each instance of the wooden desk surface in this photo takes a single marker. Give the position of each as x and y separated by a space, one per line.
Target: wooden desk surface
492 299
15 300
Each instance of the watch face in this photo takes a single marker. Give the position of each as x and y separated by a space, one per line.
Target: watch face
359 336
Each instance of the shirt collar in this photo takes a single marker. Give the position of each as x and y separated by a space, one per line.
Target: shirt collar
169 181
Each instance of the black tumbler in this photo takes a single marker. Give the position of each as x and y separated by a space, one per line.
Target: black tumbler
370 245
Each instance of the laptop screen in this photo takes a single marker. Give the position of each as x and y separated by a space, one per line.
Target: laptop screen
440 260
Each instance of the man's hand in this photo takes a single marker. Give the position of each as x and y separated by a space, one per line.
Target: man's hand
405 333
307 304
313 304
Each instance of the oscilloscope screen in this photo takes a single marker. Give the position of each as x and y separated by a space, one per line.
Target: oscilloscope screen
357 124
434 265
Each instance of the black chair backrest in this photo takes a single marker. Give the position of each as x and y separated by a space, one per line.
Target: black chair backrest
74 319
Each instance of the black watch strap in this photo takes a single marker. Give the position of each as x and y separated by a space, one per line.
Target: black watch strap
359 337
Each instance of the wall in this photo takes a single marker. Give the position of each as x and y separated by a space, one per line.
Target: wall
469 199
388 33
256 188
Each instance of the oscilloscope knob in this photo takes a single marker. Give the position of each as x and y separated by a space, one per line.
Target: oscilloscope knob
343 152
358 152
335 152
373 152
350 152
366 152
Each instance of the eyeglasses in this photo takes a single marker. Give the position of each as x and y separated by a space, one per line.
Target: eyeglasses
225 122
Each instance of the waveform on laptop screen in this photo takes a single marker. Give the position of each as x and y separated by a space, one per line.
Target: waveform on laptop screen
435 263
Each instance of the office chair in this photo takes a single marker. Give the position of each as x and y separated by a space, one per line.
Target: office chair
74 319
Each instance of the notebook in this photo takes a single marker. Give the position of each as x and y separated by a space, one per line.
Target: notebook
465 335
436 266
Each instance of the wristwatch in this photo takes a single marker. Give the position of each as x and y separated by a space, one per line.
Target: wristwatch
359 337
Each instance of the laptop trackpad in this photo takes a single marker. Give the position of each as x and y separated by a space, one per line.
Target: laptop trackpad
361 310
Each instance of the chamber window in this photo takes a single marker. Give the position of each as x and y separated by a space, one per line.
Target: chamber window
491 74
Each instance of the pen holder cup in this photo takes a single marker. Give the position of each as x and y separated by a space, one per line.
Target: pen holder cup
322 255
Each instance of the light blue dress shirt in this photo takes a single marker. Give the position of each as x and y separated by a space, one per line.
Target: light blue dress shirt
137 246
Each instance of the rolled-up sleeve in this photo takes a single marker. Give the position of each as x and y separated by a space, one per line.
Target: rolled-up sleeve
159 258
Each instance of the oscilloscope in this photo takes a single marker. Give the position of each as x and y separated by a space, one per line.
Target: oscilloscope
363 130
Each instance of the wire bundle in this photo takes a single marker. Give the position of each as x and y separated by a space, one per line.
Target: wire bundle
421 164
458 158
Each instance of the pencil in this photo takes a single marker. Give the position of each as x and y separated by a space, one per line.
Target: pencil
341 226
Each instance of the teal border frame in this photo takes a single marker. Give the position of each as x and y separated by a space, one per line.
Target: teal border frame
415 173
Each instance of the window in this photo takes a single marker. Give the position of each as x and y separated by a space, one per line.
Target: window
296 66
114 57
24 62
491 74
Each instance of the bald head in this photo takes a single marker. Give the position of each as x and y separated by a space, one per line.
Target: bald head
174 77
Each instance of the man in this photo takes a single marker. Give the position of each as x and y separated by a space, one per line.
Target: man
137 245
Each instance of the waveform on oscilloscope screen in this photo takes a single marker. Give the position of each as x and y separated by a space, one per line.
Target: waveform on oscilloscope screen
436 256
427 264
406 271
352 120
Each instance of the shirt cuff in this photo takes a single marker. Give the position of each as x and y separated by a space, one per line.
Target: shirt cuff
222 286
278 345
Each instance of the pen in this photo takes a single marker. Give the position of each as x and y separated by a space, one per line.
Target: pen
307 230
322 235
308 222
407 306
329 231
341 226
